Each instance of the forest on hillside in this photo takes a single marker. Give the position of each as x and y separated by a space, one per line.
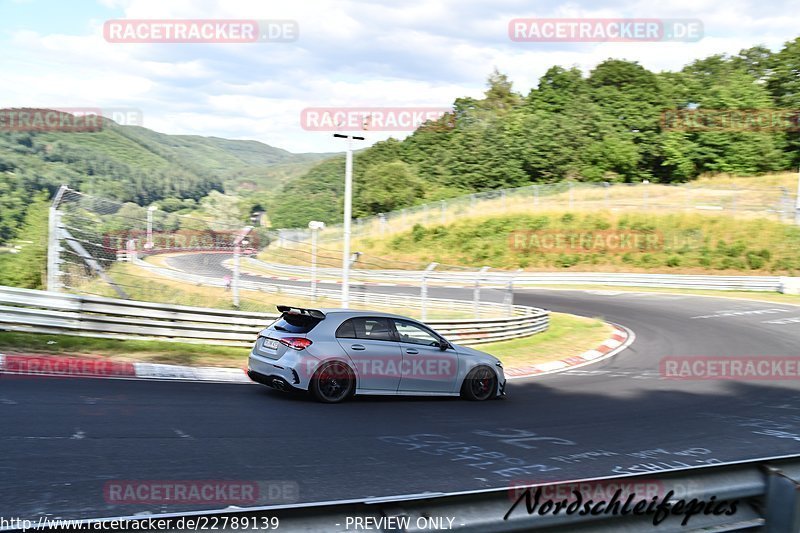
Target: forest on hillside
604 125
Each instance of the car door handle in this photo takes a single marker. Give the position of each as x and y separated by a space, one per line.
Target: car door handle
358 347
412 351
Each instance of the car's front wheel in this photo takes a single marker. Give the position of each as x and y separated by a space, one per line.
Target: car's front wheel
332 383
480 384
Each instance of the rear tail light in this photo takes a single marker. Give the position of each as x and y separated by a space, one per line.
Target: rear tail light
296 343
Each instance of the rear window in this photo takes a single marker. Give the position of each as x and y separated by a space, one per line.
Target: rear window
291 323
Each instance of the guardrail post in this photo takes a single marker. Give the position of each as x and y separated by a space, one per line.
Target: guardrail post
783 502
423 291
235 280
237 252
476 293
790 285
54 252
54 243
508 298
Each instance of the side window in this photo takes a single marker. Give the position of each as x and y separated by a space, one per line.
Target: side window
375 329
346 330
414 334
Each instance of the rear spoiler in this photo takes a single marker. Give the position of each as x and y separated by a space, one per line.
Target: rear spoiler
314 313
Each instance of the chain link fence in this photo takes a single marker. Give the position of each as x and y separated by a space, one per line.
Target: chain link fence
777 203
105 248
94 244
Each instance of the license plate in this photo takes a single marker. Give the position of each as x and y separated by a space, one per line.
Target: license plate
271 344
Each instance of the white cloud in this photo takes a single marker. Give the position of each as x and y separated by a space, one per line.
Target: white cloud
350 53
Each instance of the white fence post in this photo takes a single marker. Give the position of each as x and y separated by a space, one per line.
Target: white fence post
476 292
508 298
237 251
423 292
790 285
54 242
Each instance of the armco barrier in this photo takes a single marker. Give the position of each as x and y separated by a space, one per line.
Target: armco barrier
766 492
356 296
27 310
676 281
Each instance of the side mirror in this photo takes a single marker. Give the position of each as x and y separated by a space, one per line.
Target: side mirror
444 345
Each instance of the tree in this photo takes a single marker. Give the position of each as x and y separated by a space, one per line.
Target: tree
389 186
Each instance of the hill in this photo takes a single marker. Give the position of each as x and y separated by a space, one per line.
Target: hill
619 122
134 164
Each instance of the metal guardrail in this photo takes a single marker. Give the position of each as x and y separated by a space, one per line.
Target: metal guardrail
766 492
356 296
33 311
466 279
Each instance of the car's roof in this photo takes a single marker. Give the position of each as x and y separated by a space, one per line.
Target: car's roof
342 313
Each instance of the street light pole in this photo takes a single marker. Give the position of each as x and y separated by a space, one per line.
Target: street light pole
348 215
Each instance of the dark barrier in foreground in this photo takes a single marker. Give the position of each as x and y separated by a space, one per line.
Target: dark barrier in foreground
761 495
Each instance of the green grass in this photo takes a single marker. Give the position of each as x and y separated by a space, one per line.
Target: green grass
683 243
125 350
568 335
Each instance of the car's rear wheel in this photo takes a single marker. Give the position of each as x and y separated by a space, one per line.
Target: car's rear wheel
333 383
480 384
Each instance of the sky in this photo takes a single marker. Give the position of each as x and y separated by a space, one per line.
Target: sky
384 53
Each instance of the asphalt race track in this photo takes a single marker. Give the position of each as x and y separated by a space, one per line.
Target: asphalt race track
63 440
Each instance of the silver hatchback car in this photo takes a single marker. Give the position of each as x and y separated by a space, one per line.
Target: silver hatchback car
337 353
